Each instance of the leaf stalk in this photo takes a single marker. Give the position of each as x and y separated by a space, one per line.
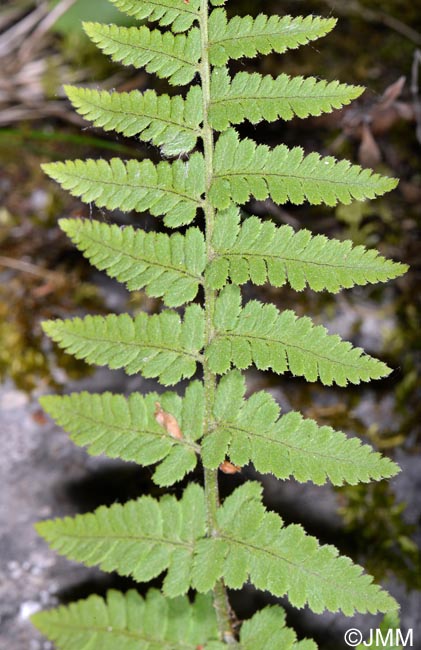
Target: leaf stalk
222 607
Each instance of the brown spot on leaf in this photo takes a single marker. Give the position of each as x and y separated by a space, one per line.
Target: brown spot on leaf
228 468
168 422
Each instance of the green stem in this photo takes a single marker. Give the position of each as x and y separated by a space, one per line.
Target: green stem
221 604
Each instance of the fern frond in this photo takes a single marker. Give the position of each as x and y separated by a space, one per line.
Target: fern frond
247 36
179 15
267 629
251 543
195 542
256 98
260 334
130 622
171 123
143 538
243 168
172 57
285 446
157 346
127 428
172 189
170 267
259 251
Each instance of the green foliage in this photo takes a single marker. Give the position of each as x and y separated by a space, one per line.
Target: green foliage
243 168
135 623
249 36
164 188
167 12
158 346
196 541
286 446
171 123
149 537
262 335
257 98
129 622
170 57
170 267
267 630
282 560
142 538
259 251
127 428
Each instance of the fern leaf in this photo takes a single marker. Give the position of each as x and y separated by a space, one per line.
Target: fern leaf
130 622
243 168
172 57
127 428
247 36
259 251
171 123
260 334
170 267
251 543
267 629
285 446
143 538
257 98
172 189
179 15
158 346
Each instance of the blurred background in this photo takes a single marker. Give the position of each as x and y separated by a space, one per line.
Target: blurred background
42 47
